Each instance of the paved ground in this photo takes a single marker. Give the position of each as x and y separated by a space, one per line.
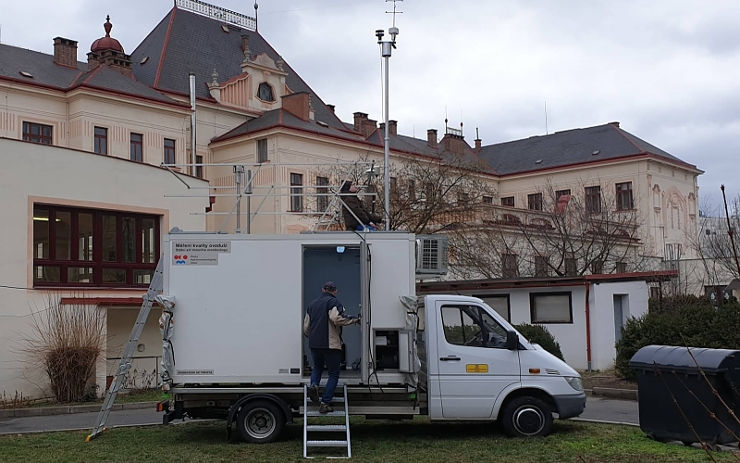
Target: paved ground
597 409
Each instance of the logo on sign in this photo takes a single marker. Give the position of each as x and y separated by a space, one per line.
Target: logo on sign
180 259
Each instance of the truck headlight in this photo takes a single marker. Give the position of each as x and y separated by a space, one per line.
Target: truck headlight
575 382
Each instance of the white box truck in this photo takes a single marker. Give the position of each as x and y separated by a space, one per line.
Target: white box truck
234 346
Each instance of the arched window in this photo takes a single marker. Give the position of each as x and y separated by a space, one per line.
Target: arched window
264 92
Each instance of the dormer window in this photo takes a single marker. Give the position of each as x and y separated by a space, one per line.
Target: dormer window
265 92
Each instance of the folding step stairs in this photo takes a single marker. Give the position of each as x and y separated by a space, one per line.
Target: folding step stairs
319 426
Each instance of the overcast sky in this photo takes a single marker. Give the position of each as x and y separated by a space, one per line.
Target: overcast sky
668 71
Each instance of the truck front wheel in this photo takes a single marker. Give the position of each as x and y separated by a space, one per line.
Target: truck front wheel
526 417
260 421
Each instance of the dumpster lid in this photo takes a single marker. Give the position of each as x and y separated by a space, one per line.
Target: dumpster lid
678 358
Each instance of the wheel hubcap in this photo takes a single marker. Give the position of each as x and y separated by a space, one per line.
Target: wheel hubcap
529 420
260 423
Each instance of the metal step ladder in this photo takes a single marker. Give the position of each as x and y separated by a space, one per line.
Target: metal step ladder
311 410
155 287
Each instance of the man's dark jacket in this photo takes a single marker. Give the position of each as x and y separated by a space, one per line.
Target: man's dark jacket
324 316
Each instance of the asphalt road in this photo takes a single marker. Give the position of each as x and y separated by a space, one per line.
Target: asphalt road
597 409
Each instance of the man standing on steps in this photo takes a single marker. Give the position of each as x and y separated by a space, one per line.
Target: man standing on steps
322 324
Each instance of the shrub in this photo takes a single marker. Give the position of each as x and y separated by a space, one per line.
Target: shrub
538 334
68 340
682 321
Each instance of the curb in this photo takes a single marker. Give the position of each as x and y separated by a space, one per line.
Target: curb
613 393
66 409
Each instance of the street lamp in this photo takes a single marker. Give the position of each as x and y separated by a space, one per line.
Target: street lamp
385 52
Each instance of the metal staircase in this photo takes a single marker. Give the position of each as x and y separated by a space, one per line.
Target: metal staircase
311 412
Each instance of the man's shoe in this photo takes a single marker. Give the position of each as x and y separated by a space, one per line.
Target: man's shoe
325 408
313 393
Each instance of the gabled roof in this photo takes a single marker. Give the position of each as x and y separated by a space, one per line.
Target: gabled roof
46 73
577 146
282 118
185 42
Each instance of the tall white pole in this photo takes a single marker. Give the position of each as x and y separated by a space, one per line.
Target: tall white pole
386 150
193 149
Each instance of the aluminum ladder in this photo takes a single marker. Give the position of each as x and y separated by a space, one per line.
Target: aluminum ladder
311 410
155 287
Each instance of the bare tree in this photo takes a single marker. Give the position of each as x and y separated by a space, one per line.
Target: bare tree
426 195
560 234
714 246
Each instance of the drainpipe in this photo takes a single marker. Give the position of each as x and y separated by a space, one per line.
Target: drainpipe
588 326
193 169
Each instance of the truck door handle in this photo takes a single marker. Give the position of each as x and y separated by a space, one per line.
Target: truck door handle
449 358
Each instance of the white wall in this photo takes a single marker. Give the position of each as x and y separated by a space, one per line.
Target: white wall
35 173
572 336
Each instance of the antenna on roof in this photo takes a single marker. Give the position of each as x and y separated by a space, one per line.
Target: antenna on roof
255 15
547 132
394 10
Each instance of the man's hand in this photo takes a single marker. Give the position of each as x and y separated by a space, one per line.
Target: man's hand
358 318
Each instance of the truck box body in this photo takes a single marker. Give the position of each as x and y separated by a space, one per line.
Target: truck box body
234 346
240 302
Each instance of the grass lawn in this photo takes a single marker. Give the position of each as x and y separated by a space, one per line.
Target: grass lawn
372 441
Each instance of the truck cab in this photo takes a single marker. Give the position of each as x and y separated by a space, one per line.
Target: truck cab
477 367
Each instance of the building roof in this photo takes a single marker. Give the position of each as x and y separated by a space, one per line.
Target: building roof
46 73
185 42
576 146
451 286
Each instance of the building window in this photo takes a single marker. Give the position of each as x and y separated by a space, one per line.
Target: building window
507 201
541 266
412 190
169 151
534 201
296 192
620 267
593 199
624 196
264 92
91 247
487 200
597 267
137 147
499 303
199 166
394 196
37 133
571 265
550 307
471 326
560 193
100 140
509 266
322 190
262 150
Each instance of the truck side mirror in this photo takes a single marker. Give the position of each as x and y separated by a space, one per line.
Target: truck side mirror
512 340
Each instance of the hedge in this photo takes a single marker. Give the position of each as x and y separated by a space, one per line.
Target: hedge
680 321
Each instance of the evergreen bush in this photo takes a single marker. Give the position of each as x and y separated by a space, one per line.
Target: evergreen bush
680 321
538 334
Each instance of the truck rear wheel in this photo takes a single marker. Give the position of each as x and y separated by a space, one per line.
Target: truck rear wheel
260 421
527 417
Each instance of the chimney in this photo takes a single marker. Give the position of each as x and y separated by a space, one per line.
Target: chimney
393 127
454 143
432 137
359 117
477 144
331 108
65 52
298 104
